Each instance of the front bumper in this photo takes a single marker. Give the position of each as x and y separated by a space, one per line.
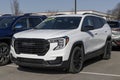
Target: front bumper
39 63
116 41
57 58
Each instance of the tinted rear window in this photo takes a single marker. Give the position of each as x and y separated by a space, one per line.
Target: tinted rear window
114 24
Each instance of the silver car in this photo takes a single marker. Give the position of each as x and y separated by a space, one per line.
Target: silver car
115 25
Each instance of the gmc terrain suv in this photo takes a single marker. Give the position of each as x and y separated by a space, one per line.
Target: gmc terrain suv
63 41
12 24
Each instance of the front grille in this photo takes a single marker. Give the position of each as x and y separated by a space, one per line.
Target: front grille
35 61
31 46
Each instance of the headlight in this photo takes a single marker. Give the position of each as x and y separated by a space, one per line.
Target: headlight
61 42
12 43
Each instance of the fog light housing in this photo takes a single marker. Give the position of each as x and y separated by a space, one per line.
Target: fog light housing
55 62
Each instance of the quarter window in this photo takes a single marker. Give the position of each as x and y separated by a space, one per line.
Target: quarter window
34 22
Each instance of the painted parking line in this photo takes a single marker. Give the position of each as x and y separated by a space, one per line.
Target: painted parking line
90 73
12 65
100 74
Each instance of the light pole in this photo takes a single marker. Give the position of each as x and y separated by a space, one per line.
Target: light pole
75 6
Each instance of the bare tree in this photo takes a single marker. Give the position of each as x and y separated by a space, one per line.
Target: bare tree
115 12
15 7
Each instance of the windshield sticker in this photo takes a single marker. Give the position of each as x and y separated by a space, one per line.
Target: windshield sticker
49 19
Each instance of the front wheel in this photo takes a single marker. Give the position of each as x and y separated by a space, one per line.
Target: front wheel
76 60
4 54
107 51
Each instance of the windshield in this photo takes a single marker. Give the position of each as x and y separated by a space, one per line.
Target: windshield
1 18
114 24
60 23
6 21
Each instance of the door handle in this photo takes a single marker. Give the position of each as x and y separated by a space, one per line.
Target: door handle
96 33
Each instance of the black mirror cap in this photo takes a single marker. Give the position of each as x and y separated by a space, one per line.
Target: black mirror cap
87 28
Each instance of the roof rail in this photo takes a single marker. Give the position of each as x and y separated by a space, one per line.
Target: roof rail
32 14
7 15
93 14
27 14
59 14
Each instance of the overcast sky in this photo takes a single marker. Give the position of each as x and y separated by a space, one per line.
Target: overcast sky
28 6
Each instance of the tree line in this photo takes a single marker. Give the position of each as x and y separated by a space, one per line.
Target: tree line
115 12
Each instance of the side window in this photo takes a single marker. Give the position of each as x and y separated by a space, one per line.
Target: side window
99 22
88 21
21 23
6 22
34 22
103 21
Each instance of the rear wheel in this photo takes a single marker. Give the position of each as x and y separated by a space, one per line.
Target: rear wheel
107 51
4 54
76 60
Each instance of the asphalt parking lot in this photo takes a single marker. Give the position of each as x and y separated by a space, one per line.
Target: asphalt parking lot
95 69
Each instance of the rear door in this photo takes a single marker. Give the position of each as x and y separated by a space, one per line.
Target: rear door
94 39
89 36
100 32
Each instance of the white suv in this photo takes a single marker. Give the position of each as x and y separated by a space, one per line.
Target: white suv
64 41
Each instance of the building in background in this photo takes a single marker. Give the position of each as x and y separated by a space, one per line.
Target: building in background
51 13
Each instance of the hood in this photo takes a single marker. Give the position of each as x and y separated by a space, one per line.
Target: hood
45 34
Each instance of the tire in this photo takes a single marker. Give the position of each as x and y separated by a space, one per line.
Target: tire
22 66
76 60
107 51
4 54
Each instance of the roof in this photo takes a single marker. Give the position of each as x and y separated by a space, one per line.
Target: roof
71 12
78 15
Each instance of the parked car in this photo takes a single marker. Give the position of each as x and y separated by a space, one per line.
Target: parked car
115 25
10 25
63 41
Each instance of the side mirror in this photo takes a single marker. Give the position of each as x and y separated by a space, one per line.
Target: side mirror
18 26
87 28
